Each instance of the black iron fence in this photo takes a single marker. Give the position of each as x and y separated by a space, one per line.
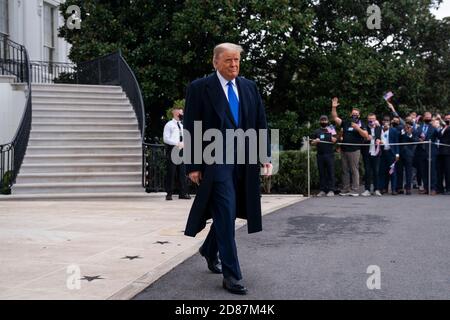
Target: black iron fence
14 61
154 166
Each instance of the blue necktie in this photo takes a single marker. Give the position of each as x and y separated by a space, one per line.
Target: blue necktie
234 102
425 129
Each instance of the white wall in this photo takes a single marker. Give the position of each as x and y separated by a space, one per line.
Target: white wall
26 26
12 104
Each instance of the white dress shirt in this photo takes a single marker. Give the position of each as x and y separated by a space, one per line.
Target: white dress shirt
224 83
172 133
385 139
373 150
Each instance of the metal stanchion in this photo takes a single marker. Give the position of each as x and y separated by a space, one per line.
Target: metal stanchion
309 167
429 167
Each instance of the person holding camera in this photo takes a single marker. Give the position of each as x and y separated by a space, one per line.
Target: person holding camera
354 133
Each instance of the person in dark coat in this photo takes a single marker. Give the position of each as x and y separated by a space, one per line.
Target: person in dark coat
224 101
444 154
407 151
390 154
426 133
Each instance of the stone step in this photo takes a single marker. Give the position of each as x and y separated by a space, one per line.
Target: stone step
73 187
85 134
83 94
83 111
34 142
7 78
93 150
81 158
87 177
86 126
141 195
74 88
76 167
128 119
106 99
57 104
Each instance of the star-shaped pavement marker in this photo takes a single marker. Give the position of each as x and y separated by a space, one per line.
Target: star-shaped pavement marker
92 278
132 257
162 242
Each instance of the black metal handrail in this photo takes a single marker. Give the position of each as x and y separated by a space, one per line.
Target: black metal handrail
14 61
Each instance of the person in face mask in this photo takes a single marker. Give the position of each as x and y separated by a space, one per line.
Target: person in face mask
173 138
390 154
407 151
427 132
354 133
444 153
324 138
371 156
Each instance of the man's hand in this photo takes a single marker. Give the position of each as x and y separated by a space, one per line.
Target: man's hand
397 157
195 177
369 138
378 142
315 142
267 169
355 125
335 102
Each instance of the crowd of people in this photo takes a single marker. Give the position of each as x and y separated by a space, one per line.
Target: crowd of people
396 153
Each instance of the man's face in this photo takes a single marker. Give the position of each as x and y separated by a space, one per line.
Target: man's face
228 63
395 121
413 115
355 114
427 117
371 119
386 122
177 112
447 119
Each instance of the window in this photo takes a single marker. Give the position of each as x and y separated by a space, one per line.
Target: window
4 17
49 32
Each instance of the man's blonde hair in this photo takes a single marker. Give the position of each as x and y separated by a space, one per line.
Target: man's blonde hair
221 48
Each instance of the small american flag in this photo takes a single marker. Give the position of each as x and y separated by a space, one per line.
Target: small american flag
392 168
332 130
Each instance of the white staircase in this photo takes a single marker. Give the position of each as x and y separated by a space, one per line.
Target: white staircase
84 140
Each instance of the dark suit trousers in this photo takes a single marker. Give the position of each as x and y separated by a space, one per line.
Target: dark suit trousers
406 164
423 162
221 235
371 170
173 171
325 164
443 173
387 159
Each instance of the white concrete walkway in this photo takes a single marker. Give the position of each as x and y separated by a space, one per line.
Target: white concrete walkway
40 241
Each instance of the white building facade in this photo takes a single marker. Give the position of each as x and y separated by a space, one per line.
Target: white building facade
34 24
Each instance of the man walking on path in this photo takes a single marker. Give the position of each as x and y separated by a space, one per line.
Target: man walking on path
224 101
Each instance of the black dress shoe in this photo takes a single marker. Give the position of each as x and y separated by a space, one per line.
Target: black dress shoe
169 197
234 286
213 265
184 196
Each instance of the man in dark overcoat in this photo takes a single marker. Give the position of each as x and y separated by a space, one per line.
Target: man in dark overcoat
224 101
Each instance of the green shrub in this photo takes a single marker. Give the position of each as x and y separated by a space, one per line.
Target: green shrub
5 187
